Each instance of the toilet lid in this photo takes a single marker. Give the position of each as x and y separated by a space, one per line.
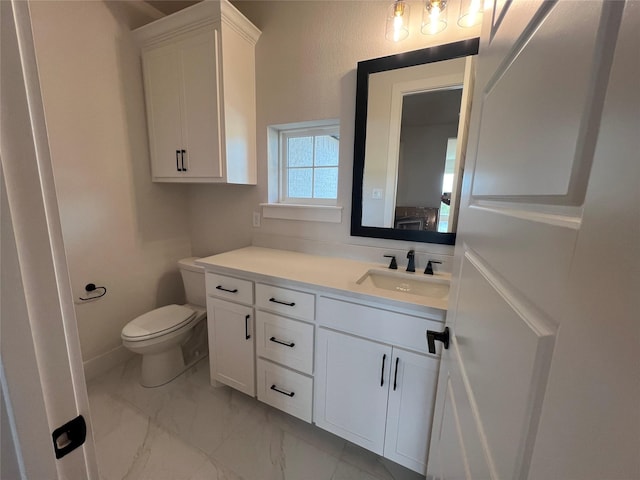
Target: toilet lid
159 321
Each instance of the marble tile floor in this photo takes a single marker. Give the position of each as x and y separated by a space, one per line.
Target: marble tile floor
188 430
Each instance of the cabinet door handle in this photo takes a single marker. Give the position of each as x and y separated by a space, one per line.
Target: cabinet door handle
286 344
182 152
440 336
284 392
247 336
178 161
282 303
384 358
220 287
395 375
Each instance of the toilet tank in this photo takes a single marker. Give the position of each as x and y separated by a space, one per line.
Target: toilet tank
193 280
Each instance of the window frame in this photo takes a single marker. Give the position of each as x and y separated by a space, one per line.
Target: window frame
284 134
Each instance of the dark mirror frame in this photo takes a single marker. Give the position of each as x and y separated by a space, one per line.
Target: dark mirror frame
365 68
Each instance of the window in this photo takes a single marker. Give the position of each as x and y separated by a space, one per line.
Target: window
303 172
308 165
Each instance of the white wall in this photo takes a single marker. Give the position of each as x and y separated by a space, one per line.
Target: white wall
306 64
120 230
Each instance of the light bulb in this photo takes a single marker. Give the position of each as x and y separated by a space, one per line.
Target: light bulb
434 17
470 13
397 21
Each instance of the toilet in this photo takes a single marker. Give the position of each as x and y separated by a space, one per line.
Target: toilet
174 337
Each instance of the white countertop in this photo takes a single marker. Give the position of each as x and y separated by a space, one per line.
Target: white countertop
327 273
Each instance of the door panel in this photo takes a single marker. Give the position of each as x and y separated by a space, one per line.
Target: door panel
535 109
541 85
43 384
352 387
162 81
512 346
231 336
201 105
410 409
459 449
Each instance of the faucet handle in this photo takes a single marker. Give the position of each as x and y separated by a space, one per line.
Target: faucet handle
393 265
411 265
429 269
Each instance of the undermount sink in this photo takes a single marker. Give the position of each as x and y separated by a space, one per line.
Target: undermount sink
411 283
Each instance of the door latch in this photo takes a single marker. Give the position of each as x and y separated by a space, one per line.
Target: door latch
69 436
440 336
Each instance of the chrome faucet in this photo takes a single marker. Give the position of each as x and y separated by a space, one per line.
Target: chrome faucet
411 265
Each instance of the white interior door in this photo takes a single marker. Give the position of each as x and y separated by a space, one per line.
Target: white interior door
542 368
41 369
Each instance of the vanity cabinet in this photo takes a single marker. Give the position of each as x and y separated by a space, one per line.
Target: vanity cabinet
269 354
199 80
231 331
328 350
369 389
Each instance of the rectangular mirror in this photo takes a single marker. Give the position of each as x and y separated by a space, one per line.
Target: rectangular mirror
409 143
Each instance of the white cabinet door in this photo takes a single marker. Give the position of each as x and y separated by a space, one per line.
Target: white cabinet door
163 79
181 87
411 398
201 132
231 344
352 383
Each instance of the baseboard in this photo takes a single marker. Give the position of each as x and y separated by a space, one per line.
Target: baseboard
105 362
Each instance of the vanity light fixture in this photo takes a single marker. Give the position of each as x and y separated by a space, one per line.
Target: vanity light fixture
434 17
397 21
470 13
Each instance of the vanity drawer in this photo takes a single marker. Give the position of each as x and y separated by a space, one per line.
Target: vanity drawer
285 389
285 341
385 326
229 288
287 302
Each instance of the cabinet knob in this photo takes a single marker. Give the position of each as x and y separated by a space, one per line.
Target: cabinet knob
440 336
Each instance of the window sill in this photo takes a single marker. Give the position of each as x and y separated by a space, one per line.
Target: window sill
308 213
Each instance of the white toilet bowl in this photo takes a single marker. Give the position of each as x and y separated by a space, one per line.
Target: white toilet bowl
171 338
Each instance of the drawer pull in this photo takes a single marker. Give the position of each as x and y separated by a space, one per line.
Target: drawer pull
284 392
247 336
282 303
286 344
220 287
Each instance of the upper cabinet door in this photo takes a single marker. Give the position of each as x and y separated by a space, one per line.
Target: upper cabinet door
164 113
201 113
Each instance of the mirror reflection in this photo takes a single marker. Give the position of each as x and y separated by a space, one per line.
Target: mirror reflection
409 150
426 160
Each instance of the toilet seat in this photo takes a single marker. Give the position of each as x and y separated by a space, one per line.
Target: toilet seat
158 322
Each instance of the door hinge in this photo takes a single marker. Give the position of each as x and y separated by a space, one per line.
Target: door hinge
69 436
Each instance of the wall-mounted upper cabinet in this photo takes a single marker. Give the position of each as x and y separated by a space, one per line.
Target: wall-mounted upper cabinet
199 80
